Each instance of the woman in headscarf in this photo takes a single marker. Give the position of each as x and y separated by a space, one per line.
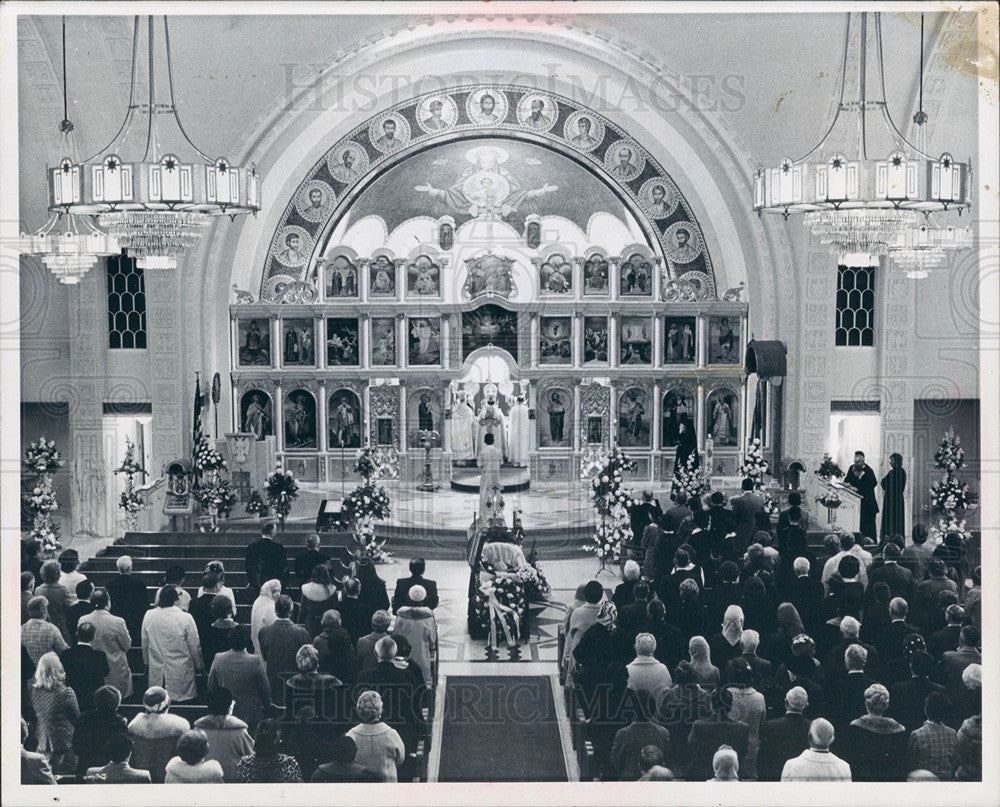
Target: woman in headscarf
598 647
789 626
725 645
262 612
706 673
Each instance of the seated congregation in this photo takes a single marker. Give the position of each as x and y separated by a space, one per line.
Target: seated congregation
721 661
336 687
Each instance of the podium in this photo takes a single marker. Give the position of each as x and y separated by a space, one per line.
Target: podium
848 515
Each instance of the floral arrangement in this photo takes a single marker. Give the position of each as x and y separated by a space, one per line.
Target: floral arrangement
366 543
362 507
256 505
364 463
831 500
366 501
207 458
770 505
217 495
754 466
691 479
592 461
612 502
280 491
950 497
130 502
828 469
42 457
536 587
509 590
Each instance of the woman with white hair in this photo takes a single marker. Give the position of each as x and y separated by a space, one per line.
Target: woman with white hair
262 612
417 624
725 645
57 711
875 745
380 748
725 765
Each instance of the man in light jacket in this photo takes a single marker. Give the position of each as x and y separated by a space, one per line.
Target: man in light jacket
170 647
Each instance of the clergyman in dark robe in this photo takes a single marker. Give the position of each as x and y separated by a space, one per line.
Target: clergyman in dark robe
861 477
893 511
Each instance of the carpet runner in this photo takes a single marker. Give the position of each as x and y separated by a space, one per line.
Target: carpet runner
500 729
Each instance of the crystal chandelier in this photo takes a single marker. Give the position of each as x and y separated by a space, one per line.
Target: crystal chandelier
68 244
928 247
856 203
152 188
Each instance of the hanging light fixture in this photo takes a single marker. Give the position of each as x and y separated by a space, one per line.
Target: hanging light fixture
68 244
151 186
928 245
859 204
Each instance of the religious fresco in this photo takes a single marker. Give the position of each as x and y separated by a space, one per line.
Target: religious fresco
382 277
423 341
489 325
255 414
555 418
299 418
636 276
724 340
340 278
679 334
423 278
596 276
722 419
254 339
424 412
344 419
555 275
298 343
635 344
342 342
635 410
677 408
595 340
489 274
383 344
555 340
490 170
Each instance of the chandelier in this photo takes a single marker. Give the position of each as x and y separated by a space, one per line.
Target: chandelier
68 244
929 246
862 205
151 187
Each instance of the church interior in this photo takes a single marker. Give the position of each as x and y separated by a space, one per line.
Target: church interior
522 318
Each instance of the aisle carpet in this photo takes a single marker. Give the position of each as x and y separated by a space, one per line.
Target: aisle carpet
500 729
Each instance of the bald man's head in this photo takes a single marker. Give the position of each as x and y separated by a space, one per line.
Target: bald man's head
820 734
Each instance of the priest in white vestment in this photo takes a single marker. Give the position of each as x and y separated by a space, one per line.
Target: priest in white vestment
491 420
463 430
517 438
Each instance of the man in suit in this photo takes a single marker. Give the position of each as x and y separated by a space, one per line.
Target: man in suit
342 768
632 618
783 738
85 667
745 508
245 676
897 577
35 768
401 690
117 771
925 595
906 698
266 560
805 592
835 666
847 699
891 642
932 745
646 512
948 637
82 607
760 668
309 559
129 597
792 538
279 643
401 596
721 519
708 733
352 616
625 591
674 515
381 620
953 663
916 555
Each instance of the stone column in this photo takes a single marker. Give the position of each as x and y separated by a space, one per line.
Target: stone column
319 335
364 340
446 341
277 417
534 340
700 418
322 418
